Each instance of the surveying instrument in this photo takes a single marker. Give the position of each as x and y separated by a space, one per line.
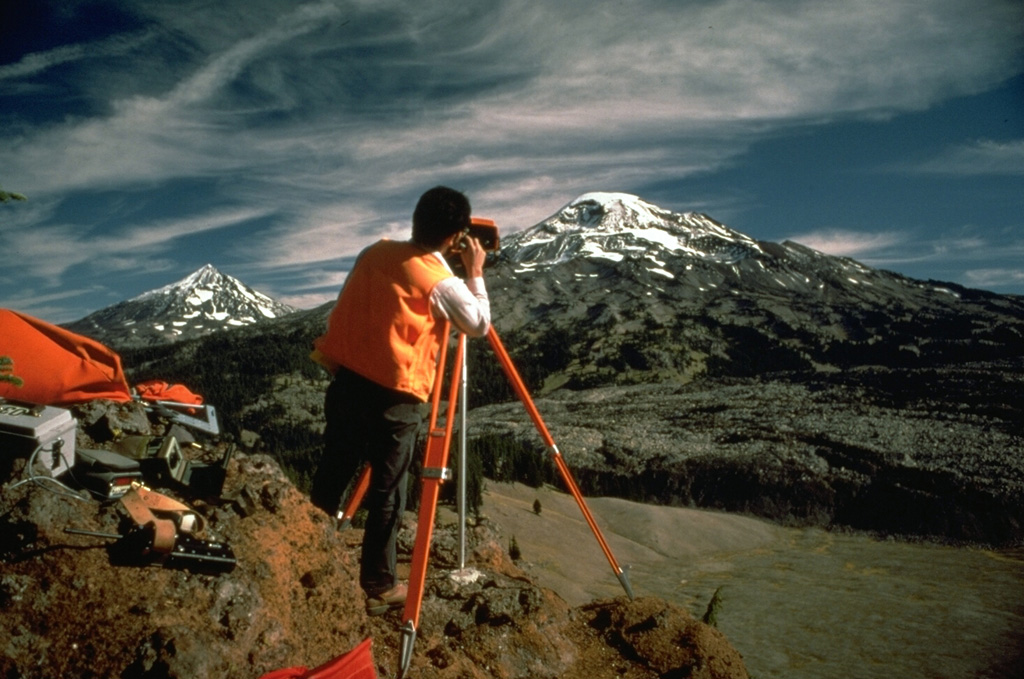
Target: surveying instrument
435 470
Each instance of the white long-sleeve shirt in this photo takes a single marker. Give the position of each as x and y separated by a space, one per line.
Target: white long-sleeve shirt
463 302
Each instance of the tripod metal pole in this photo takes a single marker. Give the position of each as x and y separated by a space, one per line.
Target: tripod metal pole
434 474
346 514
462 464
531 409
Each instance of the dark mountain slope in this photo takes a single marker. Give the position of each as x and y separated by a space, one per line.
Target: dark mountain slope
634 294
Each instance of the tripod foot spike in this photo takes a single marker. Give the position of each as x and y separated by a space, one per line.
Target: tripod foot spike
623 576
408 640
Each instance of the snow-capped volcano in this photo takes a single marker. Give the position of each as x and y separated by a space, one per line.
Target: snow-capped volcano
616 225
210 295
656 247
203 302
613 288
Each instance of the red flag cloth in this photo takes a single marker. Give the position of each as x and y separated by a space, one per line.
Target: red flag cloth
356 664
158 390
48 365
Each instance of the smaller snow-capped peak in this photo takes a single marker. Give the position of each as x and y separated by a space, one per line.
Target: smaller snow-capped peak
218 294
205 301
617 225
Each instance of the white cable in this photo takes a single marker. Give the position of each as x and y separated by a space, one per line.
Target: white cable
62 489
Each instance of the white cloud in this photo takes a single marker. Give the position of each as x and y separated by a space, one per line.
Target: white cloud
333 116
115 46
994 278
48 252
846 243
747 60
544 79
309 300
327 233
980 158
152 138
226 67
955 254
42 300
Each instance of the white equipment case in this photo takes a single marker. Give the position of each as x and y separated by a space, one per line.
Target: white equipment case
24 427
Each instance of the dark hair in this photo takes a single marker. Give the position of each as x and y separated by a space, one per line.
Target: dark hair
439 213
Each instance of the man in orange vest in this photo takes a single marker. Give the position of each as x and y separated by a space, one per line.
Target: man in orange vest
382 341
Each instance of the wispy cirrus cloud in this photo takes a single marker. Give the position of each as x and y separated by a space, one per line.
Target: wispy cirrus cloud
991 278
55 249
945 251
36 62
983 157
847 243
407 83
326 119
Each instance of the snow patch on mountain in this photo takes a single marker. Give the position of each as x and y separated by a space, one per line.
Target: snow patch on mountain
616 226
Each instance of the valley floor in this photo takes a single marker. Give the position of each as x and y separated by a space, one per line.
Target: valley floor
797 603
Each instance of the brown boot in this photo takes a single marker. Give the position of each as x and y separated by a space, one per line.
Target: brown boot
385 601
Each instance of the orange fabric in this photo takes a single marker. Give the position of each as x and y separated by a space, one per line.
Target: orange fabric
356 664
389 337
56 366
158 390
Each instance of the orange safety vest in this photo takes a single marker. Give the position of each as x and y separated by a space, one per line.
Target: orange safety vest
382 327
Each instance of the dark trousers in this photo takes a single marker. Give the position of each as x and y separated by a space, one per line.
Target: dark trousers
369 423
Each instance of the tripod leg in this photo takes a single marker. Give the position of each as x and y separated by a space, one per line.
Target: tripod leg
434 474
563 469
346 514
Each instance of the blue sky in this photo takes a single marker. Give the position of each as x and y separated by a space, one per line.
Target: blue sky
275 139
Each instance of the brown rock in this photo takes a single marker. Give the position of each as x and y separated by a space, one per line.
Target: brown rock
293 600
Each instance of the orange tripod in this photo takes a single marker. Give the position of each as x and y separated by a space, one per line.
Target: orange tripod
435 472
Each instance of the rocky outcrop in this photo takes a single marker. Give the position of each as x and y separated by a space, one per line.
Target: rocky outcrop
71 609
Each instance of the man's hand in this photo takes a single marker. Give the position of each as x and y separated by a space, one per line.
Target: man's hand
473 257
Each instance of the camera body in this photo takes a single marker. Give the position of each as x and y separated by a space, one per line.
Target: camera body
485 231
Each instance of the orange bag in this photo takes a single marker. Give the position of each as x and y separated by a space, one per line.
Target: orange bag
49 365
158 390
356 664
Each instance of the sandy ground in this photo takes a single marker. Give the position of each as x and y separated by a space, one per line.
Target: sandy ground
561 552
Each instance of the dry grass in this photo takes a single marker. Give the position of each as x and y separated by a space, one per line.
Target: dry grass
561 552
